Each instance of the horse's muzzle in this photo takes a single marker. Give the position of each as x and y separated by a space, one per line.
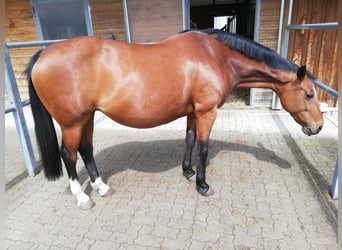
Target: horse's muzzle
312 130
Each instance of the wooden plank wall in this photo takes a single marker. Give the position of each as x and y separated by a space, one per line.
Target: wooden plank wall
154 20
107 18
269 23
20 27
19 21
317 49
268 35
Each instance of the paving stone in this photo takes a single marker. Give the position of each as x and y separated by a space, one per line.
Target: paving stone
263 196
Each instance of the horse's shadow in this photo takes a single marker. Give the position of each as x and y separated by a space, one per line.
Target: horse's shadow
163 155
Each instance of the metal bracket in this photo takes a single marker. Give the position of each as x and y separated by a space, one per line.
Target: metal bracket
334 185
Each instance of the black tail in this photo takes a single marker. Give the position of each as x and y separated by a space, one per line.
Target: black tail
45 130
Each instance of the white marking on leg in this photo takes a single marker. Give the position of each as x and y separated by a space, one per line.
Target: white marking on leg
101 187
76 190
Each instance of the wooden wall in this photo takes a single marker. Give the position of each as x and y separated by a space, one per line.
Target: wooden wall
107 18
317 49
19 21
269 23
20 27
268 35
154 20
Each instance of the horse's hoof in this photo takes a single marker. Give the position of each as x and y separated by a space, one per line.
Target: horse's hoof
106 193
210 192
190 175
205 190
85 205
191 178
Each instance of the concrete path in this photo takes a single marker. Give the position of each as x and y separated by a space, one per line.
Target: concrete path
271 189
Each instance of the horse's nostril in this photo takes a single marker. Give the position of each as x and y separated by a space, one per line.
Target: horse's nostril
320 128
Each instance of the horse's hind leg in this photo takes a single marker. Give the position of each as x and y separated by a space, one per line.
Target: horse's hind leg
86 151
190 141
70 144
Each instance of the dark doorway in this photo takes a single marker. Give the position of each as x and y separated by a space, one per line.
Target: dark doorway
61 19
235 16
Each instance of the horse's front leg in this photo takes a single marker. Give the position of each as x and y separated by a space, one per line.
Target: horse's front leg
205 121
190 141
202 186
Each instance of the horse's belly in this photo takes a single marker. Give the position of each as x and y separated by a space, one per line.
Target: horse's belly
145 116
145 120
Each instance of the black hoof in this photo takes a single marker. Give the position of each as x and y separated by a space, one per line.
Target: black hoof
189 174
205 190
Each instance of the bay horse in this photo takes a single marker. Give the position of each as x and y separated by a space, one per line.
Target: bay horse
147 85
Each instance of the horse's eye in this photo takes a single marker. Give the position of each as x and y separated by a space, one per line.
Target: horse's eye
309 96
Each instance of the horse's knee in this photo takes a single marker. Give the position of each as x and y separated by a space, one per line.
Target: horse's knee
203 149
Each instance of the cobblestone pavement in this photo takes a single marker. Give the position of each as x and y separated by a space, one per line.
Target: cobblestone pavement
270 184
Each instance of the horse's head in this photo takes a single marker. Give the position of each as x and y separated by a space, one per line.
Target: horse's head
299 98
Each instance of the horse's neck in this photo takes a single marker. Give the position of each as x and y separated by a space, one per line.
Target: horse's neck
253 74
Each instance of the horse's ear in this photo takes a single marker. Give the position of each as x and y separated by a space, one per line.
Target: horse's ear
301 73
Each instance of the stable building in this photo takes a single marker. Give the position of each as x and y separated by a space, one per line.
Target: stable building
152 21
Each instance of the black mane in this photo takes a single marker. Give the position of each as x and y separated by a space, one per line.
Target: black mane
252 49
